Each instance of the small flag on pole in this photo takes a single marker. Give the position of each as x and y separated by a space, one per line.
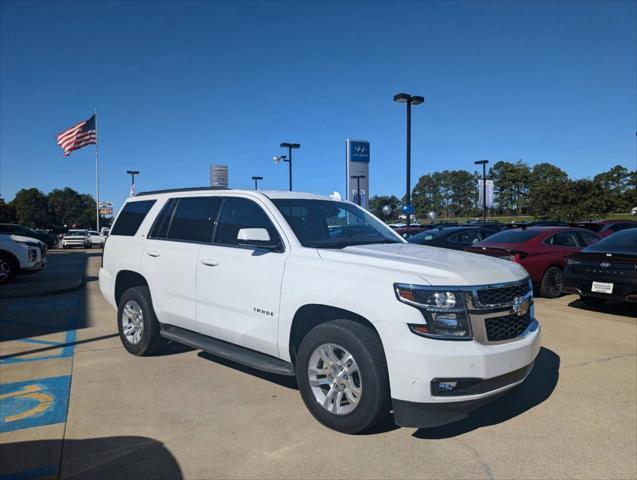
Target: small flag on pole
132 190
78 136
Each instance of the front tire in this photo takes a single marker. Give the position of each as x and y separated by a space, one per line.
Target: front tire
8 268
342 376
137 324
551 286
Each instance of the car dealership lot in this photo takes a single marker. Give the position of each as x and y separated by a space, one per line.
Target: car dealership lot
105 413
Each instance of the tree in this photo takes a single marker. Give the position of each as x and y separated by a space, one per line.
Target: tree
7 212
618 185
377 202
31 208
451 192
68 207
511 186
569 200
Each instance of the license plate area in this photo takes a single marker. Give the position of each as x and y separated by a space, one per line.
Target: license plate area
602 287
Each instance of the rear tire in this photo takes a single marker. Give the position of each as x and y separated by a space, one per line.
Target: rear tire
363 396
551 286
8 268
592 301
137 324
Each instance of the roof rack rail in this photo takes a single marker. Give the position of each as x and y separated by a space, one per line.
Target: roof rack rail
177 190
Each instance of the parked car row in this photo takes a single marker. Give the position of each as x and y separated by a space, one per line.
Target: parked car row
82 239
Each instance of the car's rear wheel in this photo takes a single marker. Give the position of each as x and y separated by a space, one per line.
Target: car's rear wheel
137 323
342 375
8 268
551 286
592 301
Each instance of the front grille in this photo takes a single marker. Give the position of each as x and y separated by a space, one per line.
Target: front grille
500 295
506 328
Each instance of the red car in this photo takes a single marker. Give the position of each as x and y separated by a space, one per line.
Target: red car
542 251
605 228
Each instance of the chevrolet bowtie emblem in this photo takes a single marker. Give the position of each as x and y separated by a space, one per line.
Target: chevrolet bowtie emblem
520 306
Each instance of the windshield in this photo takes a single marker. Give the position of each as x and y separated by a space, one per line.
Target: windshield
331 224
512 236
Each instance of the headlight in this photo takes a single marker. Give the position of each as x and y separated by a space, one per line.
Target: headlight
33 254
444 311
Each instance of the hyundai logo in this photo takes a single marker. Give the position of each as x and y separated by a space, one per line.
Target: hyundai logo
360 149
604 264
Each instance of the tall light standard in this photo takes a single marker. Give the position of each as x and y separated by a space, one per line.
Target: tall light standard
409 100
132 174
484 187
290 147
256 182
358 188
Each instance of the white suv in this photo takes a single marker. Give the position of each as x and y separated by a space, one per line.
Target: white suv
305 285
20 255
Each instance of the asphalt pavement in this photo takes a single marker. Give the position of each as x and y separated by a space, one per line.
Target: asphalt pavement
104 413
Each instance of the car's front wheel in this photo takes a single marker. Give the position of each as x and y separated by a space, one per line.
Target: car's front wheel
137 323
8 268
342 375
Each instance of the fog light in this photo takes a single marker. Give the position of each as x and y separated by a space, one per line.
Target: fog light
447 386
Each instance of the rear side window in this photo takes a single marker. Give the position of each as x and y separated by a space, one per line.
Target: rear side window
162 222
586 238
131 217
193 219
464 238
562 239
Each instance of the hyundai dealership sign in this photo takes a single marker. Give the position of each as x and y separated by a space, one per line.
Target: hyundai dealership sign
357 165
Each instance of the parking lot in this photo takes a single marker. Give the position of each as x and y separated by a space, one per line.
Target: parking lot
74 404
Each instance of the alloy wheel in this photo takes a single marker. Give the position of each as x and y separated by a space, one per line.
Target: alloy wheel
132 322
335 379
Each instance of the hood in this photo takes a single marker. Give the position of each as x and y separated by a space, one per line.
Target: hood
21 239
437 266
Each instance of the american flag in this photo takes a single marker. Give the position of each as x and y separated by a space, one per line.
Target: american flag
78 136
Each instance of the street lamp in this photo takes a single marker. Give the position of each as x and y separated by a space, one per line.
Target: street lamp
484 187
409 100
132 174
256 180
290 147
358 188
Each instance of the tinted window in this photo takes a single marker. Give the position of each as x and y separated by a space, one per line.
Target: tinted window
586 238
465 238
238 213
162 222
626 240
4 228
512 236
131 217
622 226
193 219
562 239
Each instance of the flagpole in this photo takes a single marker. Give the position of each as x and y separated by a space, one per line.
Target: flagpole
97 177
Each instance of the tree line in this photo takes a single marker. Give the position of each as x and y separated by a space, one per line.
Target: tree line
543 191
57 210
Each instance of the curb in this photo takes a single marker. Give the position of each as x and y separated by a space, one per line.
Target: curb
43 293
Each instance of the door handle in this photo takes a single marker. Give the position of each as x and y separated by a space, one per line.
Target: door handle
152 253
211 262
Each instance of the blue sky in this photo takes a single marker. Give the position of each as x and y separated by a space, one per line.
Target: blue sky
180 85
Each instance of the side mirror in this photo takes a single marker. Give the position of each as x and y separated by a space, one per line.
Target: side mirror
253 235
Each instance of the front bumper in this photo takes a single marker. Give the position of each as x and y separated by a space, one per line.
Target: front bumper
428 415
37 266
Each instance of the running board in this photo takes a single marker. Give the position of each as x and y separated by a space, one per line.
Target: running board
229 351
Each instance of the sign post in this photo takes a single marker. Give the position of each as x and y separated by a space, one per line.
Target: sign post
357 171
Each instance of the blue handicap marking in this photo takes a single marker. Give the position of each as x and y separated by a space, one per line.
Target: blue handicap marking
65 350
33 403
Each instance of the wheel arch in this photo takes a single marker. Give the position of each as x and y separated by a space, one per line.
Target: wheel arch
311 315
11 256
127 279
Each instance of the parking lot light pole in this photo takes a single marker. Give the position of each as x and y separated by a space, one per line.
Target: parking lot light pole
256 182
409 100
290 147
132 174
484 187
358 188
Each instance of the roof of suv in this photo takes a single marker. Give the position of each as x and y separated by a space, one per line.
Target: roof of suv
272 194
